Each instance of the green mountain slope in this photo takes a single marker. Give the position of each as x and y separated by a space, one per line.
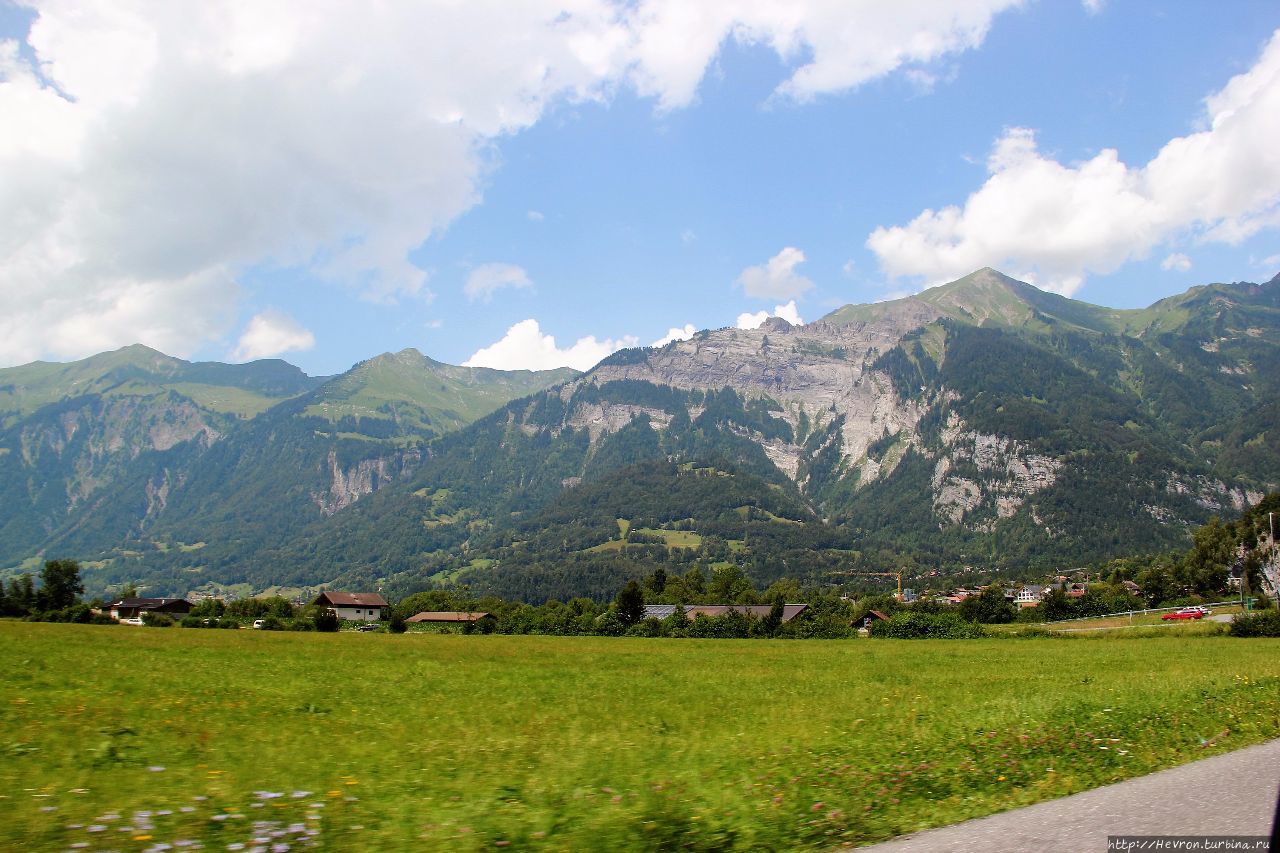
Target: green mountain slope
133 451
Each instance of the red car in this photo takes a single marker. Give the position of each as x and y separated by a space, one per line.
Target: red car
1185 613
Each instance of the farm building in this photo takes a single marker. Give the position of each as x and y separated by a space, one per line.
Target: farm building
446 617
354 606
130 608
691 611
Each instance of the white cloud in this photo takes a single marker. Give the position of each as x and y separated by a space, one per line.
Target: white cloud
1093 7
487 278
1177 262
524 347
676 334
787 312
1271 262
270 334
777 277
838 44
1054 224
165 149
535 216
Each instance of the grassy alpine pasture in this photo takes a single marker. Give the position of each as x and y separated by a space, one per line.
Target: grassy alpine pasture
132 738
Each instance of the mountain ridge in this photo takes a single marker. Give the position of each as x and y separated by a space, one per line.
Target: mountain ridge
984 421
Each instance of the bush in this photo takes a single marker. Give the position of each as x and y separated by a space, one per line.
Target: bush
227 623
397 624
272 623
192 622
1259 624
909 625
302 625
609 625
157 620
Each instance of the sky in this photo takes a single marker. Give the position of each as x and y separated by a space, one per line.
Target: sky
536 184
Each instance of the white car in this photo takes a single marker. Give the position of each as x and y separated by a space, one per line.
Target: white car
132 620
257 623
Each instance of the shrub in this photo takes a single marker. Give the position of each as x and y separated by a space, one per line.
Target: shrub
192 622
157 620
227 623
397 624
609 625
272 623
909 625
1265 623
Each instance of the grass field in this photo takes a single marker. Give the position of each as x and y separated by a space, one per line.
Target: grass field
126 738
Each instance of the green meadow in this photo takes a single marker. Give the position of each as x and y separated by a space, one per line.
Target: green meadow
133 738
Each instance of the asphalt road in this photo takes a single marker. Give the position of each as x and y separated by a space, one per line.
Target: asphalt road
1231 794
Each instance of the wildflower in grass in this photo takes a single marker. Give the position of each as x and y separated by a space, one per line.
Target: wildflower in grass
97 827
156 768
297 795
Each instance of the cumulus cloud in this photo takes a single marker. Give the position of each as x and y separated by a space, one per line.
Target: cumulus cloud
776 278
270 334
1177 262
676 334
1054 224
787 312
525 347
487 278
165 149
838 44
1093 7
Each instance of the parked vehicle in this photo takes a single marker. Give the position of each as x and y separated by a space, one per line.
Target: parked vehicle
133 620
367 628
258 623
1184 613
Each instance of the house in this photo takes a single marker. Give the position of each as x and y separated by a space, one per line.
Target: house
1030 595
447 617
354 606
759 611
872 616
1132 588
1077 590
131 608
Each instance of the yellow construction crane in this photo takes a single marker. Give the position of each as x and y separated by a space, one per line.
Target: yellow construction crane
897 575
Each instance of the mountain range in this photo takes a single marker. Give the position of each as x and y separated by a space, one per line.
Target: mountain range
983 425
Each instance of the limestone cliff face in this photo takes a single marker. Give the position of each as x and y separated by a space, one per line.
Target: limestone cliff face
1002 474
92 443
816 374
348 485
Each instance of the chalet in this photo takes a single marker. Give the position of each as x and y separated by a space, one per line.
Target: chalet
872 616
759 611
1030 595
446 617
1077 590
1132 588
131 608
354 606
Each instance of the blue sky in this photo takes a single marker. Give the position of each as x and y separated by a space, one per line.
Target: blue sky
304 184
